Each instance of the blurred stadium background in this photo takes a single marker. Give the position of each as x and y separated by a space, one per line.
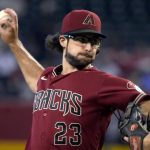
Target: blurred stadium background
125 52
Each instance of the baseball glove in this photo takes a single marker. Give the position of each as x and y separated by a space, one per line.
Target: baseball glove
134 125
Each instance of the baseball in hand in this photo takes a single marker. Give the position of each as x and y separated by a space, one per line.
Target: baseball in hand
4 15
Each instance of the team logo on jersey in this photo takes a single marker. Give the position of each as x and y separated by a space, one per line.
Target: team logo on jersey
89 20
131 85
57 99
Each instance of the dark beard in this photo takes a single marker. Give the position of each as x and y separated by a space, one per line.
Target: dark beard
79 64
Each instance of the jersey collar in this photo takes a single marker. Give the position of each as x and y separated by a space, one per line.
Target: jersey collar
57 70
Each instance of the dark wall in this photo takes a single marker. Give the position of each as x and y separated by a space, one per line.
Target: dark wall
15 120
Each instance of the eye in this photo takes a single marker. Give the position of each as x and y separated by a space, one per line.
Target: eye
97 41
81 39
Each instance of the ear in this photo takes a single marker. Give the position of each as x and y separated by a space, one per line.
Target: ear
63 41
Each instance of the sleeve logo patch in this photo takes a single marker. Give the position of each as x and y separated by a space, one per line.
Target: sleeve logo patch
131 85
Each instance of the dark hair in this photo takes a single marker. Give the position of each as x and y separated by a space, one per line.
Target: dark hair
52 42
98 50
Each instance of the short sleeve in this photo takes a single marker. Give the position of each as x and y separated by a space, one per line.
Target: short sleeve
117 92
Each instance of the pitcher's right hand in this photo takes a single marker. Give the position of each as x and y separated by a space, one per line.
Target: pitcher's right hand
9 27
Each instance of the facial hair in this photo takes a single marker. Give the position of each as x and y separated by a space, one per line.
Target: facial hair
78 63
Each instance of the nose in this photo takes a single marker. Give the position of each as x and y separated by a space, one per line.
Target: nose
87 46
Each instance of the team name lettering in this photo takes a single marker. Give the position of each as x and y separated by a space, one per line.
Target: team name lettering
62 100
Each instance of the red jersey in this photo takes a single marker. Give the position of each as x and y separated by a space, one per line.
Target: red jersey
72 111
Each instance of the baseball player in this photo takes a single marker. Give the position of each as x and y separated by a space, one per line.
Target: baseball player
73 101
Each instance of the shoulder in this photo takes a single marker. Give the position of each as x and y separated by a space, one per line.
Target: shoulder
107 77
115 83
47 71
